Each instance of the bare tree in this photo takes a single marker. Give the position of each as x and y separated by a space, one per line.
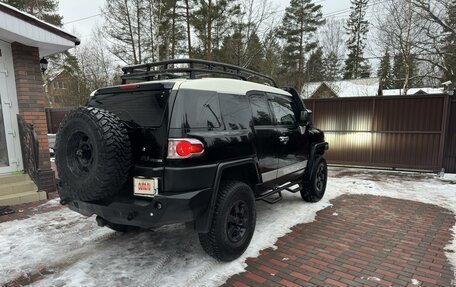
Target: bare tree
398 29
256 22
438 21
124 28
332 41
97 65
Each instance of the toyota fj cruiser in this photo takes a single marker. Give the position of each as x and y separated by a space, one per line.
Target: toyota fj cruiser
175 144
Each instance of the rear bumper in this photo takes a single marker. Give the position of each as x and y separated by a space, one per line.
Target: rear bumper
147 213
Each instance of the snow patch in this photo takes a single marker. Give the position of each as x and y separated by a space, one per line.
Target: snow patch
371 278
416 282
82 254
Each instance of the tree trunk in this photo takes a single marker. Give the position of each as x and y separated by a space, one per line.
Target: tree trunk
189 37
138 27
209 30
173 33
152 29
130 29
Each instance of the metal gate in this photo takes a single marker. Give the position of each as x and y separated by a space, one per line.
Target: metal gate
404 132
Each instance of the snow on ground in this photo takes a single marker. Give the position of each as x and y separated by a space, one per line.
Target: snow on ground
82 254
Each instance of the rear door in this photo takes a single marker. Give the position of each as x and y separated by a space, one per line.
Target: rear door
144 109
266 138
292 141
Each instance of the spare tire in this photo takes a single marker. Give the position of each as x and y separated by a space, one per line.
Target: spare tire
93 154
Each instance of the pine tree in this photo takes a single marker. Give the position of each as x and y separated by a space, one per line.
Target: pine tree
384 71
239 50
272 50
314 67
142 31
171 35
398 71
213 21
332 70
357 29
45 10
302 19
231 50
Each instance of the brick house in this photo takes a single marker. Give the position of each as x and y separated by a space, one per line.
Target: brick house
24 40
57 88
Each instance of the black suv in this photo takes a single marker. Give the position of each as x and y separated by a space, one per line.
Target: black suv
175 144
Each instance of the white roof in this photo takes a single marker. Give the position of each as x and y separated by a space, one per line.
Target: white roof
225 85
346 88
17 26
219 85
399 92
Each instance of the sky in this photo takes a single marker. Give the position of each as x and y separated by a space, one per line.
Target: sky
76 10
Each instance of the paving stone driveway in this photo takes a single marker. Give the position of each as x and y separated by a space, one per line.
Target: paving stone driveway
361 240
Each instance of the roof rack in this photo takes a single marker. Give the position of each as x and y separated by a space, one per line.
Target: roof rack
189 68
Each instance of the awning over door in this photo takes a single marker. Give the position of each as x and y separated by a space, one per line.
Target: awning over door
17 26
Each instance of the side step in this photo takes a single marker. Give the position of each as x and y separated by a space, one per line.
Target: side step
266 197
277 191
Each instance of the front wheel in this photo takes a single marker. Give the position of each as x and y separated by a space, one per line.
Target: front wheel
313 189
233 222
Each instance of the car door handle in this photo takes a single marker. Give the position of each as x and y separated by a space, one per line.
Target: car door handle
284 139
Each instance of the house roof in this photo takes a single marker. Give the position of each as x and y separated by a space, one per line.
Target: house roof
413 91
18 26
345 88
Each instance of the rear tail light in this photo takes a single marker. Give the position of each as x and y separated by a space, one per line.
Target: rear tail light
184 148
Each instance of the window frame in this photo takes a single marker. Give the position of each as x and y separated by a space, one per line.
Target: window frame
271 97
268 104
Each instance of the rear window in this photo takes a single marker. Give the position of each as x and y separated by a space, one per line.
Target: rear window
236 112
144 108
196 109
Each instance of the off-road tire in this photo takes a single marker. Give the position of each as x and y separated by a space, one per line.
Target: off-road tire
218 242
93 154
314 185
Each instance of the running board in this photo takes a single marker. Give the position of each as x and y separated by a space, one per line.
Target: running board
266 197
277 191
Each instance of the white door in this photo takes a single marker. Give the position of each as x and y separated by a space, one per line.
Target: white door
10 153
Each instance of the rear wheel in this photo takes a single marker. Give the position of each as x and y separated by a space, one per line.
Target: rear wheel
313 189
233 222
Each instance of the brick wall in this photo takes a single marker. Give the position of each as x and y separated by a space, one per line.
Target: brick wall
31 99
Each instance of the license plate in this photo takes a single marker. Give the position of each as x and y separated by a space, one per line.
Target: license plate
145 186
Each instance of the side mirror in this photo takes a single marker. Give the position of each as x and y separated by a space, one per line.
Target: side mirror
305 116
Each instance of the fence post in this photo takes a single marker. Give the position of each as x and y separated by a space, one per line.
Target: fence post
443 132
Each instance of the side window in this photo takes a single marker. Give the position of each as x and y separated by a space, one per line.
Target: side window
283 111
235 111
196 109
260 110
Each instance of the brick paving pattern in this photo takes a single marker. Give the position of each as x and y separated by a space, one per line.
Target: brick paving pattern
361 240
23 211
